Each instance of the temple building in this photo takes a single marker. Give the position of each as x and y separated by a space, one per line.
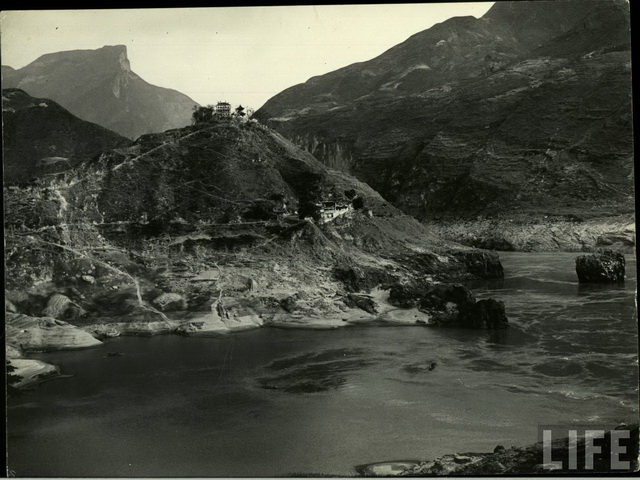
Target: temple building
223 109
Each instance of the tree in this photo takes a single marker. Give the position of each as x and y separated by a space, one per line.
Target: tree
204 114
350 194
309 209
277 197
313 191
358 203
11 377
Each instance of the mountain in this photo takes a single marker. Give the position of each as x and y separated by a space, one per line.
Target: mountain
99 86
524 113
208 224
40 137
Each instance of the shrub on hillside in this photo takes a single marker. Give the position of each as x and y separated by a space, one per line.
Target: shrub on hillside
309 209
203 114
358 203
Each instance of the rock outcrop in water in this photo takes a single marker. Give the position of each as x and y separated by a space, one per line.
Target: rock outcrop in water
450 305
99 86
488 313
523 114
603 267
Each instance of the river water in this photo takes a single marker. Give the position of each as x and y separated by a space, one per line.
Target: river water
285 402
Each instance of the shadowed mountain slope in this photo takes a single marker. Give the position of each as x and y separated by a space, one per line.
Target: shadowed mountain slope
40 137
526 111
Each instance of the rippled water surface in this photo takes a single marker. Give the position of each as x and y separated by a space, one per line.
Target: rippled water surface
281 402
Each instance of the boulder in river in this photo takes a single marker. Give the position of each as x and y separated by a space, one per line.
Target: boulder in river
488 313
450 304
603 267
439 295
483 264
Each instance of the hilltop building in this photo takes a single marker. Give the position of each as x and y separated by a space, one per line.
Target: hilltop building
222 109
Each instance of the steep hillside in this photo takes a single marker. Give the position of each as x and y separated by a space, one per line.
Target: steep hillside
100 87
40 137
524 112
206 223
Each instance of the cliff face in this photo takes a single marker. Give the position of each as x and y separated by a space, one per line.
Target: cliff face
526 111
41 138
100 87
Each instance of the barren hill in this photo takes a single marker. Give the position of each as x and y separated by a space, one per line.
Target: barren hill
212 216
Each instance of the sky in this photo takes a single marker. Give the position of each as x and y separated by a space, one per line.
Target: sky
244 55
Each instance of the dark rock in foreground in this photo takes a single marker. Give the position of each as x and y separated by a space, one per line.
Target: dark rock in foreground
384 469
363 302
604 267
488 313
450 304
482 264
517 460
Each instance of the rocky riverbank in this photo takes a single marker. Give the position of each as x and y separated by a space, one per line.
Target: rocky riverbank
516 460
422 304
542 234
24 372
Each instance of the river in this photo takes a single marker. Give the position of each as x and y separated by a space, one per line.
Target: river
284 402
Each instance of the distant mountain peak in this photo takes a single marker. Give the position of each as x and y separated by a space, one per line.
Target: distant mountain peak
102 58
99 86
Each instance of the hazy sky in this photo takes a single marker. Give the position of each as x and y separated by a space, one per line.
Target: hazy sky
242 54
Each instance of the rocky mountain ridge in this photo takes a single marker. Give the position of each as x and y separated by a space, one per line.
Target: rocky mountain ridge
526 111
99 86
41 138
